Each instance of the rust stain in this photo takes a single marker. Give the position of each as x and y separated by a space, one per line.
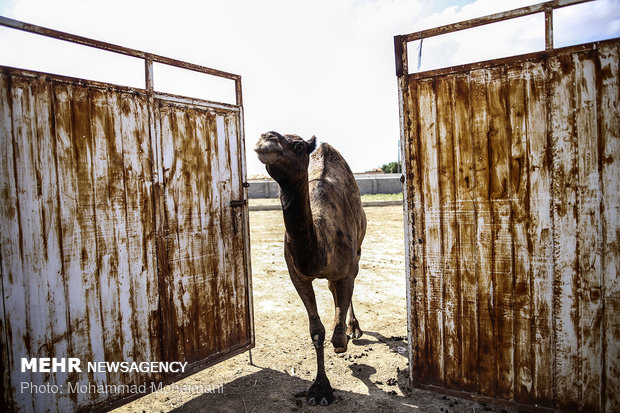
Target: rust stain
196 209
115 287
527 184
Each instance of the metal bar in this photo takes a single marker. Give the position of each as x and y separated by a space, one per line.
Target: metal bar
402 99
185 101
493 18
85 41
148 73
398 55
549 30
238 95
508 60
196 68
246 225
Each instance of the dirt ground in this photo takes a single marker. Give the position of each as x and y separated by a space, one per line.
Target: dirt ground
369 377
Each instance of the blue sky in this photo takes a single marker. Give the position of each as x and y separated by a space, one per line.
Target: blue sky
323 67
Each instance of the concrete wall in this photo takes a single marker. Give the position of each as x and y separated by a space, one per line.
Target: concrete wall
368 184
263 189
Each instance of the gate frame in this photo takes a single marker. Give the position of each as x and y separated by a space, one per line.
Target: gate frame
400 41
402 74
158 176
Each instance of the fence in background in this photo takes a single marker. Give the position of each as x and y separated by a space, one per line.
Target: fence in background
368 184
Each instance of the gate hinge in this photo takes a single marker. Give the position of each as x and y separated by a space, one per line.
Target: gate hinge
238 202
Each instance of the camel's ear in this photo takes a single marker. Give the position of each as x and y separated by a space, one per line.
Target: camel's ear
311 144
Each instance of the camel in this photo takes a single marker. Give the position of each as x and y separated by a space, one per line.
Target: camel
324 229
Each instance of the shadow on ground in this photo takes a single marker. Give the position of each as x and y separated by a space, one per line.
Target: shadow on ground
397 344
269 390
273 391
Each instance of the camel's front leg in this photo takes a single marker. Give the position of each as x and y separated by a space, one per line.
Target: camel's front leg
321 391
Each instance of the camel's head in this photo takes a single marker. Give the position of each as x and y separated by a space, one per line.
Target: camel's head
286 157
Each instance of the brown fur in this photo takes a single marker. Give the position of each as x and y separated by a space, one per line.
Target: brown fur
325 226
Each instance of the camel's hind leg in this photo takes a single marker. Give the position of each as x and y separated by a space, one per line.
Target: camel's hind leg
342 290
353 327
332 288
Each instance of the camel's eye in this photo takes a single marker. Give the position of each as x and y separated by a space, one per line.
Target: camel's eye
298 146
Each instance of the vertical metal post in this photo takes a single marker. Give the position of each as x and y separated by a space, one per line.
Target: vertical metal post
148 73
549 29
165 301
402 70
246 218
400 53
239 98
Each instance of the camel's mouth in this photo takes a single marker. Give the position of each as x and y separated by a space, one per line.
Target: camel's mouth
268 151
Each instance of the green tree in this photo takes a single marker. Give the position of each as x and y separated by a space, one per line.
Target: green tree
392 168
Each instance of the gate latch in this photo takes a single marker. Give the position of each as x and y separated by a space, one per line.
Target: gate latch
235 203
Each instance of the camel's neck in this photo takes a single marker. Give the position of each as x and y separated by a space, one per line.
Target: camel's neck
301 233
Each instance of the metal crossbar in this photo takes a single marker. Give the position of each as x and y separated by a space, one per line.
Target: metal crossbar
400 41
149 58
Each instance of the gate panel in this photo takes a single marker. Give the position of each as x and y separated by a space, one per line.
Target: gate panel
466 224
513 225
83 280
81 270
123 233
539 222
204 240
609 127
518 185
77 229
141 249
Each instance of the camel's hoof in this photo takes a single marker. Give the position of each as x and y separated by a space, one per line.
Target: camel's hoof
341 349
356 333
354 330
320 393
312 402
340 340
324 401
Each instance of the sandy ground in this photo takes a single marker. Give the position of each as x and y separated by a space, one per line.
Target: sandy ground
369 377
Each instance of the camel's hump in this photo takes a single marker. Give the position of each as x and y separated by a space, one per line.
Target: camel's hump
329 175
326 162
335 197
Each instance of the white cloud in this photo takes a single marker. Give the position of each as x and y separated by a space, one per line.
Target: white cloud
586 22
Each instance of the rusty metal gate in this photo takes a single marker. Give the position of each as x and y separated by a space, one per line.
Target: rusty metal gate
512 175
123 233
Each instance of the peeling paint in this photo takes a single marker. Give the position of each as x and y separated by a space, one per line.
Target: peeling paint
84 221
509 168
